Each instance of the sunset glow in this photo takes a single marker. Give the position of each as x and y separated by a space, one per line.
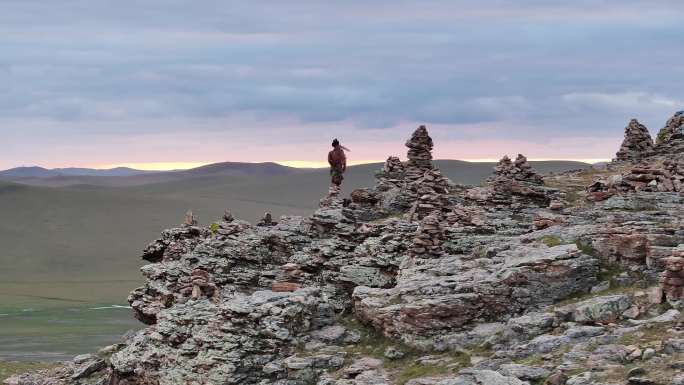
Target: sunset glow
168 166
157 166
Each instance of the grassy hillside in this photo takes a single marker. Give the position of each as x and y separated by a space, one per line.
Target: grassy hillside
121 177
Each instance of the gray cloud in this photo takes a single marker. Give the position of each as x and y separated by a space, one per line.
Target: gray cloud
559 70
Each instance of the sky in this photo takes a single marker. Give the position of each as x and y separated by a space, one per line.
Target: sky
163 84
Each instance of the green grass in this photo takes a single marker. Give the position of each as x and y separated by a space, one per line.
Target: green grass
61 333
8 369
373 344
551 240
415 370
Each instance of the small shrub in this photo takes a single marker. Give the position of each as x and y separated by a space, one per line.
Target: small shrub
214 228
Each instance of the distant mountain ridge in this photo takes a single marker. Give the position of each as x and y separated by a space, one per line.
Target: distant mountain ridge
41 172
124 176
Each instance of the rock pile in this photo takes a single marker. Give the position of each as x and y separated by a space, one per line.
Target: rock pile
393 174
202 285
332 198
430 193
519 170
267 220
673 278
673 131
667 176
514 183
427 243
419 154
460 215
190 219
637 144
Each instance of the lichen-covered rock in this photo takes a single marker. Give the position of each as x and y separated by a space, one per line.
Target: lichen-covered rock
607 309
433 296
227 342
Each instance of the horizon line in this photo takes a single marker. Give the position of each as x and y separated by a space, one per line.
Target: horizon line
174 166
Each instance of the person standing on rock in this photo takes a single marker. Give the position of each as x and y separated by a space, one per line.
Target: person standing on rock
338 162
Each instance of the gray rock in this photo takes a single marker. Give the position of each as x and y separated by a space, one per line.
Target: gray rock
330 334
393 353
605 309
524 372
87 367
674 345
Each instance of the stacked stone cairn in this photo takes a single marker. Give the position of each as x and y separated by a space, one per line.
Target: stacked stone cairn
637 144
673 278
332 199
419 154
512 181
190 219
427 242
392 175
519 170
672 134
267 220
431 195
197 285
428 187
288 278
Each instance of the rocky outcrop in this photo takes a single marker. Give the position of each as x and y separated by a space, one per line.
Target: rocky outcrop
417 281
434 297
654 176
637 144
243 340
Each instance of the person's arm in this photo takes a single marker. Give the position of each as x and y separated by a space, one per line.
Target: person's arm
344 162
330 159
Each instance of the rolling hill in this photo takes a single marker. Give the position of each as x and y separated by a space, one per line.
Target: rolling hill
122 177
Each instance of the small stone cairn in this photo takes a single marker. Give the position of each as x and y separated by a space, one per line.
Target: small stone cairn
393 174
190 219
267 220
419 154
519 170
511 178
197 285
427 242
637 144
672 280
428 187
332 199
